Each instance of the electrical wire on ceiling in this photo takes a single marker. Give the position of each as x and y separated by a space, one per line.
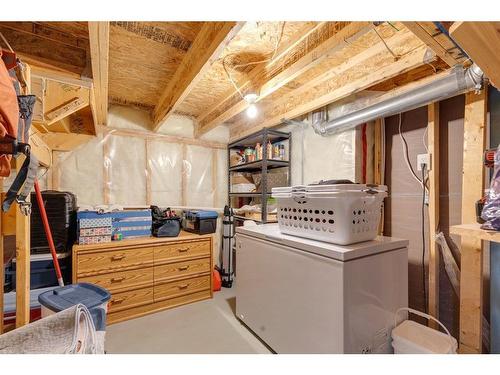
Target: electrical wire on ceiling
228 74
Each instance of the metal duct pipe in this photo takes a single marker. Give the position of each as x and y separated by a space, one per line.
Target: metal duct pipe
460 80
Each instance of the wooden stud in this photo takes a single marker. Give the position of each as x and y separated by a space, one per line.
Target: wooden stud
313 58
378 178
471 275
433 146
206 48
429 40
22 262
481 41
99 53
65 110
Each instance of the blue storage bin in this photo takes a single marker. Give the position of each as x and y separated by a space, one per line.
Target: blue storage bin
200 222
42 271
94 297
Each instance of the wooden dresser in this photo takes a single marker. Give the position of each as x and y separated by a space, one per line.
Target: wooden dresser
149 274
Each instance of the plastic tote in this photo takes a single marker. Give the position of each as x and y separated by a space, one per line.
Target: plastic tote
411 337
342 214
92 296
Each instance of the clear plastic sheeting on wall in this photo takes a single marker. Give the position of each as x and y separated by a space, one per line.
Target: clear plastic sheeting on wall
133 170
200 176
81 172
165 166
125 164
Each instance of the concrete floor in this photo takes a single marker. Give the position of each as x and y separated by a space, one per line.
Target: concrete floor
206 327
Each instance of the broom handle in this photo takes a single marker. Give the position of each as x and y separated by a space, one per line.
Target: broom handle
48 233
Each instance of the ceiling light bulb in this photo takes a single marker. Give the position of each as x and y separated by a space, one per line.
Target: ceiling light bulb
252 111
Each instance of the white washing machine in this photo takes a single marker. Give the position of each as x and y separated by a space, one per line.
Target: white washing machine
305 296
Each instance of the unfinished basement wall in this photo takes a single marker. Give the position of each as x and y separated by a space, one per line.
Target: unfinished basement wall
125 166
316 158
402 216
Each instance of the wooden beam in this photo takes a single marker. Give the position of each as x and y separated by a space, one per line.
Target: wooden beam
433 146
259 71
46 51
99 54
65 110
481 41
311 59
360 80
22 262
429 40
206 48
471 275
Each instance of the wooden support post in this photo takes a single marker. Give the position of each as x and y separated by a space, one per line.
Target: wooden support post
22 263
377 164
471 276
433 145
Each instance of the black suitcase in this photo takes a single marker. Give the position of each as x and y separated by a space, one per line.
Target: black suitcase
61 210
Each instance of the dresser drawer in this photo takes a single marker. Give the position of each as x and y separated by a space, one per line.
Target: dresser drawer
113 259
183 268
119 280
181 287
129 299
176 251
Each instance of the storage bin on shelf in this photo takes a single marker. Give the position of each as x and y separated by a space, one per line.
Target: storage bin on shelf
42 272
338 213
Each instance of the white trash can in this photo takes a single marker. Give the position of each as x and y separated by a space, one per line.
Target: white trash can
410 337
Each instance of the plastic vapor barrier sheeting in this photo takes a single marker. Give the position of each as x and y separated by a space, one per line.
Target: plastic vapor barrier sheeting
165 166
136 171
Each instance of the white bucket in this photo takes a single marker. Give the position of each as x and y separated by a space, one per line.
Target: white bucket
411 337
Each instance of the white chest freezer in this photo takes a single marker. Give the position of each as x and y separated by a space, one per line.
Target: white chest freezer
305 296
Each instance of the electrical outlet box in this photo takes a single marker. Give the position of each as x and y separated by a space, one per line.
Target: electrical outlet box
423 159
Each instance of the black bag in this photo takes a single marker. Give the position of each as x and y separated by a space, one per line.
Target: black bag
61 208
164 223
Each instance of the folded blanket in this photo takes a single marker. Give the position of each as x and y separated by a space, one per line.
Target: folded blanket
70 331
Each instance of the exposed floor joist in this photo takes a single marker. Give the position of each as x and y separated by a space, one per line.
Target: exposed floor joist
420 32
206 48
99 53
356 82
53 49
314 57
481 41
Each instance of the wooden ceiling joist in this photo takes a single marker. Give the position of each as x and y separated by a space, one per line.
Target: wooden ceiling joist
481 41
315 56
259 71
40 48
99 53
356 81
205 49
422 32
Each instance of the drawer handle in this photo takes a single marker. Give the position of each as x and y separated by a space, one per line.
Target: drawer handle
183 250
117 279
183 268
184 286
117 257
117 301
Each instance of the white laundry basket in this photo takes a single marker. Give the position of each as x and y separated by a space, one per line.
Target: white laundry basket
341 214
410 337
